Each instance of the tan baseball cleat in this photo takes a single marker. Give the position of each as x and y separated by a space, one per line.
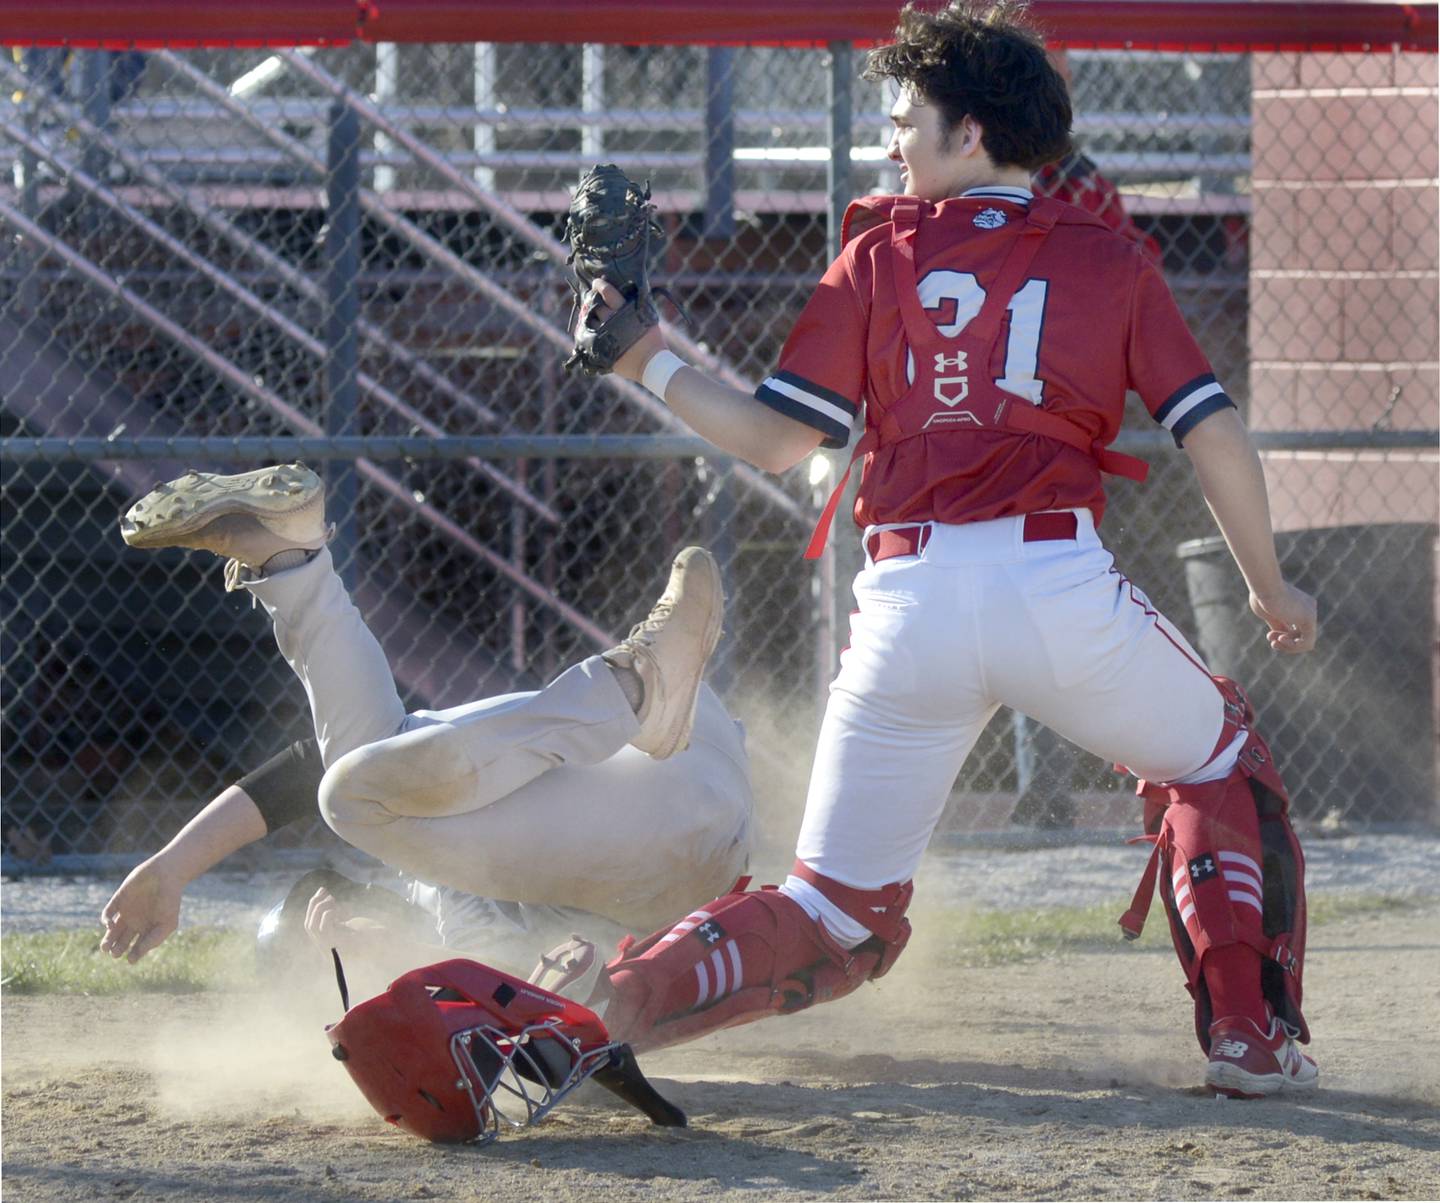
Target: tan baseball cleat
250 517
669 649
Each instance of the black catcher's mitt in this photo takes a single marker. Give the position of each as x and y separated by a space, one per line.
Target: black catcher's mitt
613 232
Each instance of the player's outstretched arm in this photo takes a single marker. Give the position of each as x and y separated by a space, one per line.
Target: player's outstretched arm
143 912
1233 481
729 417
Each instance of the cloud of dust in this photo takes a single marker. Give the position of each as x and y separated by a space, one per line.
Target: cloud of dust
781 745
256 1054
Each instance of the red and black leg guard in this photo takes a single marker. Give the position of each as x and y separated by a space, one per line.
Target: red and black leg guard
1231 871
745 956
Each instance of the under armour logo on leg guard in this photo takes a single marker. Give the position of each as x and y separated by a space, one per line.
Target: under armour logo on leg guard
710 932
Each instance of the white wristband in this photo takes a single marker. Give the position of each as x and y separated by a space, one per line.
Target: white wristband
662 366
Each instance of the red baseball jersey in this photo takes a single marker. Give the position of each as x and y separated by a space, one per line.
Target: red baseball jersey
1093 318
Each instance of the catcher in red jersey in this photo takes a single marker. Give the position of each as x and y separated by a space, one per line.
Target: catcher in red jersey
991 336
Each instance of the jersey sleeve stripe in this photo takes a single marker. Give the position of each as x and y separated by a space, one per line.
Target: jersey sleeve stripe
829 419
1182 398
840 401
1178 412
1198 413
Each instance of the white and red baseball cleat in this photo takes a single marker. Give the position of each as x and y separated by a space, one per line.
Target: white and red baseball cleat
1248 1063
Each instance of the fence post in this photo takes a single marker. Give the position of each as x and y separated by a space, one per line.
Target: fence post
839 96
719 142
592 99
838 188
482 136
387 91
342 292
724 544
29 294
719 223
29 162
95 102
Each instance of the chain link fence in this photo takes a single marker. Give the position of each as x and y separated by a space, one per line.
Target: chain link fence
208 255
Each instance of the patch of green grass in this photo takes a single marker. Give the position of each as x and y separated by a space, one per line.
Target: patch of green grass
70 962
982 937
195 959
1331 909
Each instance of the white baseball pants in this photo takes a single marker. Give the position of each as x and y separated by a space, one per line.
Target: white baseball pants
530 797
978 620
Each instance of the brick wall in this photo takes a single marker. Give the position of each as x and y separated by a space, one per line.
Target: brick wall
1344 332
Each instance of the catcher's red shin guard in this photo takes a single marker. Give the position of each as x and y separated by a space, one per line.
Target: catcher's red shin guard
743 957
1231 873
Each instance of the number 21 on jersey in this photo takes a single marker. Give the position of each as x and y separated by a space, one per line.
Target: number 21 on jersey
958 298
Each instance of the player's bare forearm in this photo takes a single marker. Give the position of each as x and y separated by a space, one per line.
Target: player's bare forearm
736 422
146 907
1233 482
227 824
729 417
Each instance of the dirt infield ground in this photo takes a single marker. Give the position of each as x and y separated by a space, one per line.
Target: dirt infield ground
1067 1078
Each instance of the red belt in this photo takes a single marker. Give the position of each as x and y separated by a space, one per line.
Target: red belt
911 540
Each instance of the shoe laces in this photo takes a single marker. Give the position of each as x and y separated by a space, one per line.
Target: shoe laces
644 632
237 576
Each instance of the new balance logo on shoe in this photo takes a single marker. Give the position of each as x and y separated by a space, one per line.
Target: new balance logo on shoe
1247 1061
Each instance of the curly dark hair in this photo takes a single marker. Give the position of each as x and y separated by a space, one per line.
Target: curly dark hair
981 59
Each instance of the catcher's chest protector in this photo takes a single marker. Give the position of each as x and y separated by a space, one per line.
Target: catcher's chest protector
1230 870
743 957
952 392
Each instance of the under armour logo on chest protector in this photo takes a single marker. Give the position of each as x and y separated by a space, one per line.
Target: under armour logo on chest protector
951 387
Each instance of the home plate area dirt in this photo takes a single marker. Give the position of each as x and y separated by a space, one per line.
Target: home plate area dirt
1074 1077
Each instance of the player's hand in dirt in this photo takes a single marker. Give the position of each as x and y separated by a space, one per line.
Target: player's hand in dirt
332 925
1290 614
143 912
631 365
